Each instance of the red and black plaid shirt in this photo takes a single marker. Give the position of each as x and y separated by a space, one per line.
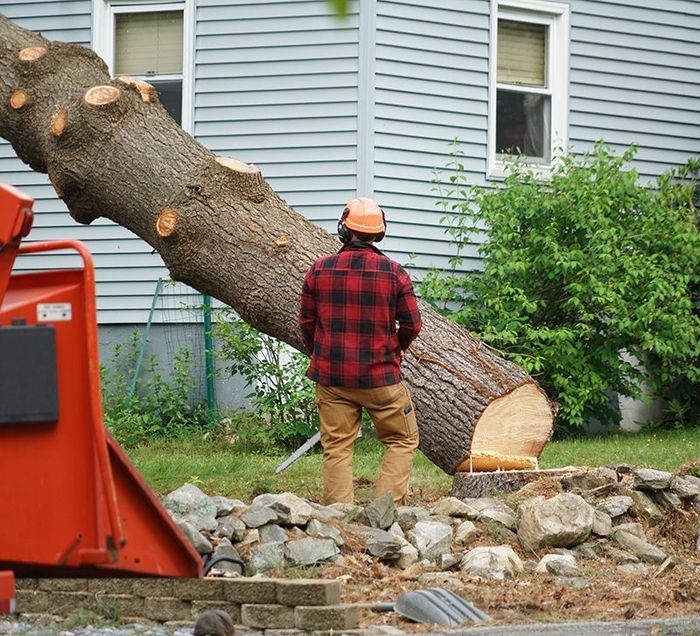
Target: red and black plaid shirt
350 305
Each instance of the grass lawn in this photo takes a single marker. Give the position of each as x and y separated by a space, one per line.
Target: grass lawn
221 469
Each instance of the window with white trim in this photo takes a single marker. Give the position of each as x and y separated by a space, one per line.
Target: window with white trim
150 41
528 89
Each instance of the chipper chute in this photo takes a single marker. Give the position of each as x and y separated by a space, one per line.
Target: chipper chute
72 504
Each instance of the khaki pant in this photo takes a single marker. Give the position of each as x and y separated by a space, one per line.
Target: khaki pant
391 410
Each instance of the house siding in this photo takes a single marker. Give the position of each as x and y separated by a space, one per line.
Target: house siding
280 83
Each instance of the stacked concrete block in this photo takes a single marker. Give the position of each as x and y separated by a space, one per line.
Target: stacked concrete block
286 606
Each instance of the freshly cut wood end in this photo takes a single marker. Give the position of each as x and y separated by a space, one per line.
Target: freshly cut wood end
238 166
166 224
102 95
489 462
18 99
517 424
58 122
147 91
31 53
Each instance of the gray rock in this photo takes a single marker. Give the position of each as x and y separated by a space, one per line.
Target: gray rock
633 528
637 569
326 513
189 503
272 533
322 530
685 487
396 530
409 516
225 506
291 510
200 543
558 565
267 556
259 515
487 503
647 508
408 555
668 499
590 479
226 549
498 562
453 507
431 539
384 546
602 523
381 512
615 506
309 551
251 536
577 582
617 555
562 521
650 479
230 527
465 533
506 518
446 562
639 547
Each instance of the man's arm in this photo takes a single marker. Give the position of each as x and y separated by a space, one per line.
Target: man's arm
307 312
407 312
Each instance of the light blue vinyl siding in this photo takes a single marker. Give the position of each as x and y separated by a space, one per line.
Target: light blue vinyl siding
431 86
635 78
276 85
125 268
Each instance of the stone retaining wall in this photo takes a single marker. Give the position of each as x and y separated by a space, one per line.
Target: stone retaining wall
298 606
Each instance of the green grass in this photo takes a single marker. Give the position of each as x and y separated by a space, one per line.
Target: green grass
222 469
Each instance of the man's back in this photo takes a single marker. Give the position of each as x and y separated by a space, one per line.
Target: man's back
351 303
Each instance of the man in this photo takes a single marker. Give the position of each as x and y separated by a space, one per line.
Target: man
350 305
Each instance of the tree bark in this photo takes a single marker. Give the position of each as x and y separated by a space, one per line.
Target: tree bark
110 149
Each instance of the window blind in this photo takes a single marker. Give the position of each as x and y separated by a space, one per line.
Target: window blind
148 43
521 53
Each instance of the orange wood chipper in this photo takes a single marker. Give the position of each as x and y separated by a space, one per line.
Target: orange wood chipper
71 504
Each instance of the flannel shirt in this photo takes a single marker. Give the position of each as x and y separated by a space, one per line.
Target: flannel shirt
350 304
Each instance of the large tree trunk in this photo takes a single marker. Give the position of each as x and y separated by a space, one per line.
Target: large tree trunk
110 149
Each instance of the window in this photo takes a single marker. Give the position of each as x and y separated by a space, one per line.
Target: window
528 82
152 42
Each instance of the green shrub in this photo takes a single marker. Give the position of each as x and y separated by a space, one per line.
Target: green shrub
159 407
584 274
282 397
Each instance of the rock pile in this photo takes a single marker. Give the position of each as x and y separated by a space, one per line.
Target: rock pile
602 512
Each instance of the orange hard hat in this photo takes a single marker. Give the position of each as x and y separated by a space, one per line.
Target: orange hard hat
364 215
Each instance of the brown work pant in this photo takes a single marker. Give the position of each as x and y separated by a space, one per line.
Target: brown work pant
391 410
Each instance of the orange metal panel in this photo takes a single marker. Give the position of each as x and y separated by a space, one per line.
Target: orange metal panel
71 501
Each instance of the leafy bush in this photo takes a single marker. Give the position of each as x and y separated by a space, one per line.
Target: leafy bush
159 407
283 398
586 280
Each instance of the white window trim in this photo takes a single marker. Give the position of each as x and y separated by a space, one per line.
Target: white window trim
103 12
557 16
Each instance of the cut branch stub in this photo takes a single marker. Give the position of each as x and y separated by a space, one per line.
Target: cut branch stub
238 166
147 92
102 95
58 122
166 224
18 99
31 53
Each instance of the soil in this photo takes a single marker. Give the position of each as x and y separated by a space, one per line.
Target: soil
608 595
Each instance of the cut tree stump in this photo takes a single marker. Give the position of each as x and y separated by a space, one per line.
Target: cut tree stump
221 229
482 484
